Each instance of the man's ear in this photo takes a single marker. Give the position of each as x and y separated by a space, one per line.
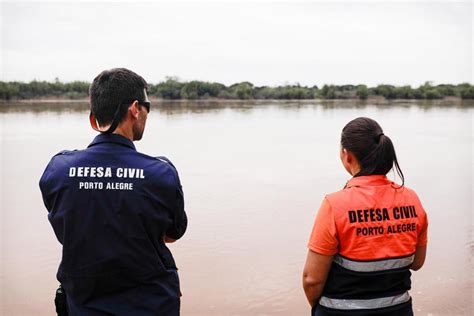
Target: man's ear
134 109
93 122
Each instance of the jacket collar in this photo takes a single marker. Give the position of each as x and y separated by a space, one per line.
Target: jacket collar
373 180
112 138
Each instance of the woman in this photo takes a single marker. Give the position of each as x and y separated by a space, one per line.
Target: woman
368 236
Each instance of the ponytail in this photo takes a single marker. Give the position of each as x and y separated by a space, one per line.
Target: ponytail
373 149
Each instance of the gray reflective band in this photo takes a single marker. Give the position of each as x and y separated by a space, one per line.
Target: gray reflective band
364 304
373 266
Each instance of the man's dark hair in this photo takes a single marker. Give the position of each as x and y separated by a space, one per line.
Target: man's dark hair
365 139
112 89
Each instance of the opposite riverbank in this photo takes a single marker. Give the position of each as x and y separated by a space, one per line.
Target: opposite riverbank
173 89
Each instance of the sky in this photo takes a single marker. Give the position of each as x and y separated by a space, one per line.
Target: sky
264 42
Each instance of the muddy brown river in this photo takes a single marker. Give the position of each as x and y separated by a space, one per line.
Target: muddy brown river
254 174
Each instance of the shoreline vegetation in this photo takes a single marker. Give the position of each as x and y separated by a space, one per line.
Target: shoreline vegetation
174 89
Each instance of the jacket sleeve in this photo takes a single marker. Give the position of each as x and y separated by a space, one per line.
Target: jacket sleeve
323 239
44 185
179 219
47 183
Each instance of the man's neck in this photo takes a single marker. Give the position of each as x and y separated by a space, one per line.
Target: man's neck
127 133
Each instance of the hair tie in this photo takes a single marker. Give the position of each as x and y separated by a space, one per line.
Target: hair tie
377 139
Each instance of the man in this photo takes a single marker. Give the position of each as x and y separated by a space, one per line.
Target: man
113 209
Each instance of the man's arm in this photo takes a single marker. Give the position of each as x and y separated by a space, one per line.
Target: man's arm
178 215
315 273
175 198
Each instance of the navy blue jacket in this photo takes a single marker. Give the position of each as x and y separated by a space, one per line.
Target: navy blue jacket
110 207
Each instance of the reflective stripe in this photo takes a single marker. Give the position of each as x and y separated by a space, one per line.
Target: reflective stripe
364 304
373 266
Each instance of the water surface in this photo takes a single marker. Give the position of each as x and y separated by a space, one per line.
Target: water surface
254 175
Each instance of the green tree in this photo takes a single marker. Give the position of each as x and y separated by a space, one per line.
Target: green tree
362 92
467 92
432 93
328 92
9 90
169 89
404 92
190 90
446 89
387 91
243 90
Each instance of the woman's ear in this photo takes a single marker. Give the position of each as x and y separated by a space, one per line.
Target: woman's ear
349 156
349 161
344 154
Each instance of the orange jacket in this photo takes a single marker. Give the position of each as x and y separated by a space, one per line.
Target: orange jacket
370 219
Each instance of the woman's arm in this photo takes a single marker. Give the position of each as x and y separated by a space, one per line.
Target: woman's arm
420 256
315 273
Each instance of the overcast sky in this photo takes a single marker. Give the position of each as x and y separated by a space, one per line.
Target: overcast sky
264 42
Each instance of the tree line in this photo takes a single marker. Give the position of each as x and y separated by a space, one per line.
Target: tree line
174 89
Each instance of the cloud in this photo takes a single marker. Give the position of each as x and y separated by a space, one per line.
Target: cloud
265 42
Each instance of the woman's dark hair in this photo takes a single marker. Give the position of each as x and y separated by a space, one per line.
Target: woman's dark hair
112 89
373 149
